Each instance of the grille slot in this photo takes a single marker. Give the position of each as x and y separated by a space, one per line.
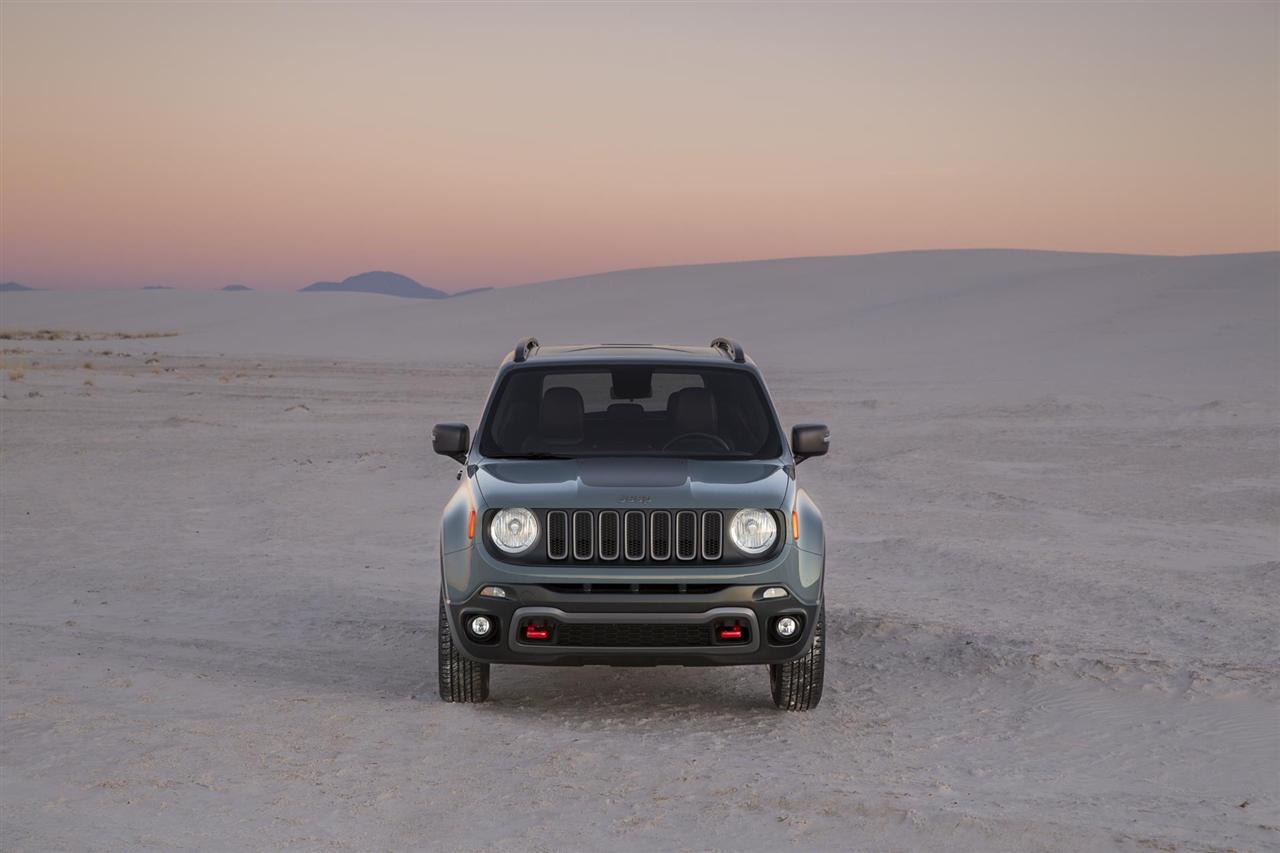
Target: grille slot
631 635
557 535
686 535
633 535
582 535
660 535
608 542
712 530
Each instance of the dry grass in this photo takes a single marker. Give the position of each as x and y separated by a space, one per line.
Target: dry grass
73 335
88 365
15 369
88 382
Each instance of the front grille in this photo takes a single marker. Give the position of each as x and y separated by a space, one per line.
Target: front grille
631 635
656 536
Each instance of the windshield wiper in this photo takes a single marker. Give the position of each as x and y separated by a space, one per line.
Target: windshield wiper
537 454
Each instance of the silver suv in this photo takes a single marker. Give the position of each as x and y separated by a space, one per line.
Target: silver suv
631 505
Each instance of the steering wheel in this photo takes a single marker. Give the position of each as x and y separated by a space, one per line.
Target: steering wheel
703 436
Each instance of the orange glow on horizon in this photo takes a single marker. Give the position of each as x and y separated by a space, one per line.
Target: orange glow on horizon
279 144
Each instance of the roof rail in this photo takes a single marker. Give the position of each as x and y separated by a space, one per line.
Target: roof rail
731 348
524 348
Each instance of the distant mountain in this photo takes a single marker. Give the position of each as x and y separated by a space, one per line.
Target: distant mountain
157 287
235 287
378 281
470 290
11 286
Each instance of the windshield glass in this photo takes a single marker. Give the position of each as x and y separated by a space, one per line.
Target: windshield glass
630 409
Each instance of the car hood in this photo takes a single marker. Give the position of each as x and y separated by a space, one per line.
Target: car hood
632 482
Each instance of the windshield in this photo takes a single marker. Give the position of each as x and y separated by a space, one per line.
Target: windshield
630 409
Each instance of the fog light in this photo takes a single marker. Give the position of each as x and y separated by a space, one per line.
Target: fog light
785 627
774 592
493 592
480 626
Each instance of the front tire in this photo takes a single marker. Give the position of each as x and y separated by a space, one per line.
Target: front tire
461 679
797 685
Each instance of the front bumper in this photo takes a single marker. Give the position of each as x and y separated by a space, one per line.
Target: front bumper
625 623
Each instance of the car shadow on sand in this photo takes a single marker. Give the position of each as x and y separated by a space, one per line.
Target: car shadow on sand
639 693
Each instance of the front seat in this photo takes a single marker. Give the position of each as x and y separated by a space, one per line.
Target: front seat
559 419
694 410
625 428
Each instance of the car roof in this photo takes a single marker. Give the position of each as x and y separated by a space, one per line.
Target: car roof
595 353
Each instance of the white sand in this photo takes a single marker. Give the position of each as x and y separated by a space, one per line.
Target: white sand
1053 508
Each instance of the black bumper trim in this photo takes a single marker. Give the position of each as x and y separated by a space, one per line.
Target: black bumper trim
556 615
737 600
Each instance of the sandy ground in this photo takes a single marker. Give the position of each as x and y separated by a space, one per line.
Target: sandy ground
1051 595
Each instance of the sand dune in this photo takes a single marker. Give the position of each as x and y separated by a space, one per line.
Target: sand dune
1052 505
1038 316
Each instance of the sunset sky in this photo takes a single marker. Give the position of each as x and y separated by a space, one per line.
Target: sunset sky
197 145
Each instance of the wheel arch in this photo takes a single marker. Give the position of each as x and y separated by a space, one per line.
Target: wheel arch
812 537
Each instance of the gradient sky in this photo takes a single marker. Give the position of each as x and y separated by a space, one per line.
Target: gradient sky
277 144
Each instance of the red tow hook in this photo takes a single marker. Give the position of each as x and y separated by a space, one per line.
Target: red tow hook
729 632
537 632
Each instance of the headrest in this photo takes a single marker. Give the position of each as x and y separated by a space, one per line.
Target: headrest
625 412
694 411
560 420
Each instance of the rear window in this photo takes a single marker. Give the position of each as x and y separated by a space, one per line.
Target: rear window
629 409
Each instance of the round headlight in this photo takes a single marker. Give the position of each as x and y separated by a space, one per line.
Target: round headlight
753 530
514 530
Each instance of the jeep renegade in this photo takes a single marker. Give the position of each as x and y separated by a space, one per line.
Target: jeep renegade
631 505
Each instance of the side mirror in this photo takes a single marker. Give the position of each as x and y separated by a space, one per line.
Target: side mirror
452 440
809 440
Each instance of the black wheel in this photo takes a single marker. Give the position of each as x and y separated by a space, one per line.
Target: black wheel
461 679
797 685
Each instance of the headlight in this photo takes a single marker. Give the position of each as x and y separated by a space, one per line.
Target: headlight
753 530
514 530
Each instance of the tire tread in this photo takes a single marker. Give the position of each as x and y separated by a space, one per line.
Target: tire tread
797 685
461 679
